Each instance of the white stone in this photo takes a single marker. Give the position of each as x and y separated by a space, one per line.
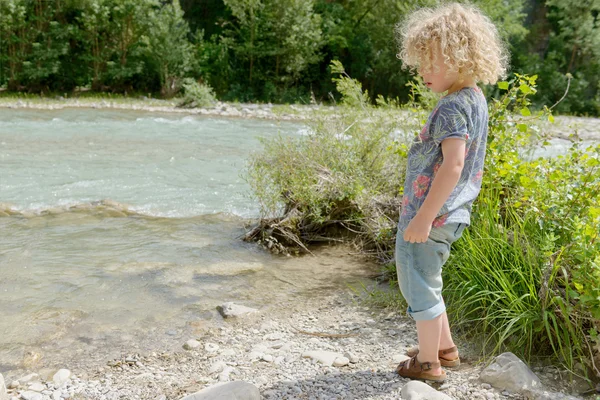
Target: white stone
191 344
217 367
341 362
508 372
28 378
211 347
232 310
352 357
61 377
227 391
37 387
29 395
228 353
267 358
324 357
224 375
3 394
416 390
274 336
398 358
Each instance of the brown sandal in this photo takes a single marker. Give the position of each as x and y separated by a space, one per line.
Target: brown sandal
445 362
413 369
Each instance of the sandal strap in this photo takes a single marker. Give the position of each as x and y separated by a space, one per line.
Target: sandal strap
450 350
423 366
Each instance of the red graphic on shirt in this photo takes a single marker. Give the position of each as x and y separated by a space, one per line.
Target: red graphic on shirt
404 205
440 221
423 134
478 176
420 185
436 167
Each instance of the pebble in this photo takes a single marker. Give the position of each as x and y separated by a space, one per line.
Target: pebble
211 347
191 344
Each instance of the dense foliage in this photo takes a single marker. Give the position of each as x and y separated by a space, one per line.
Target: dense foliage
273 50
524 277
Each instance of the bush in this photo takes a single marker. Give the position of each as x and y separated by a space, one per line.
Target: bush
525 273
196 94
343 177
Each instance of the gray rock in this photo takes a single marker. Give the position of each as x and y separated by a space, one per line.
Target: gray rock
508 372
227 391
61 377
324 357
232 310
416 390
3 394
191 344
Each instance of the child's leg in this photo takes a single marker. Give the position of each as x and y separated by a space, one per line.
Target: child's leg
419 268
446 341
429 333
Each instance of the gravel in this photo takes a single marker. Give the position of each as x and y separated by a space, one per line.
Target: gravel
325 347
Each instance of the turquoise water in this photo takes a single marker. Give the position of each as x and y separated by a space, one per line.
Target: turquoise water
158 165
120 231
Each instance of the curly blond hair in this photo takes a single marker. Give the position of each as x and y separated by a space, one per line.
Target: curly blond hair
469 42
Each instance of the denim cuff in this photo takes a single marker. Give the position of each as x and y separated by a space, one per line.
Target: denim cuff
428 314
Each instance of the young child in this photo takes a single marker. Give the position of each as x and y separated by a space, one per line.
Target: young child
452 47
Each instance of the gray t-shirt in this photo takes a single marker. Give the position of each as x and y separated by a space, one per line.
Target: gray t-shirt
462 114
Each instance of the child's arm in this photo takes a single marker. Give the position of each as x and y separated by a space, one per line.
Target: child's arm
444 182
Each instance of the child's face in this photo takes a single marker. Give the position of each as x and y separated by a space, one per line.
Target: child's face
439 79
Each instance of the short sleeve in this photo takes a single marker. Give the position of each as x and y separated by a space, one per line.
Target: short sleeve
450 122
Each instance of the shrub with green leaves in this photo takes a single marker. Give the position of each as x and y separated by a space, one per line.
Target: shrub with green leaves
196 94
341 178
525 273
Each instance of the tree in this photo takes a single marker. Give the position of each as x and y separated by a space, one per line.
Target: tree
169 46
296 37
13 39
95 23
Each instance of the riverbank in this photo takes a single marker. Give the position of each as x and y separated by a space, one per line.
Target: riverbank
119 377
276 349
564 126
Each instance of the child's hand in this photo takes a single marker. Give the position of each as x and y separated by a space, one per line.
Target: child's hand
417 230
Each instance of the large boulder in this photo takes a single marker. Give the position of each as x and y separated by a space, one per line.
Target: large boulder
237 390
508 372
416 390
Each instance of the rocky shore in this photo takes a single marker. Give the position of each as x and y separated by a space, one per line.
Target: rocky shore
329 346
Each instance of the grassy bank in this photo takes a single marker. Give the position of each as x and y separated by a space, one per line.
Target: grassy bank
526 275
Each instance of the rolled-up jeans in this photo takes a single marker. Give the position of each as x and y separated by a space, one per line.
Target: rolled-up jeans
419 269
